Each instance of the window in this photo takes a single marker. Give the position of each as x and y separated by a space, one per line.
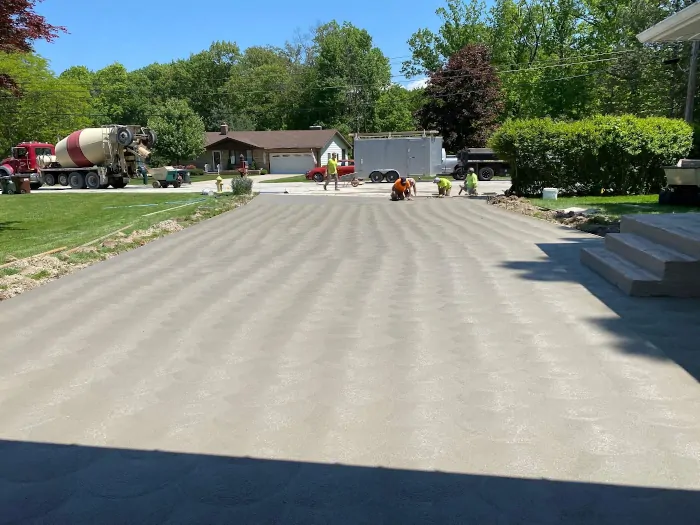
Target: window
42 151
19 153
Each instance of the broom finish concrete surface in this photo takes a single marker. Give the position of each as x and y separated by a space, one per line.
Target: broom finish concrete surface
308 360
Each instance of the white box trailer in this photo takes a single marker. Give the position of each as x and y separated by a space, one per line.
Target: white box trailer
388 156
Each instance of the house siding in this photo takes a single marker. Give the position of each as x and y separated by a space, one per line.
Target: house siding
336 146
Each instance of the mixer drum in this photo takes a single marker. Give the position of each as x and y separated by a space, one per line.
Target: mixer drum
84 148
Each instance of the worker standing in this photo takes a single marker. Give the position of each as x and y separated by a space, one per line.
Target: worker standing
470 184
332 171
444 186
400 190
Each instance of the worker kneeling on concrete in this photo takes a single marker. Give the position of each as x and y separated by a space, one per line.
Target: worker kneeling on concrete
470 184
401 190
444 186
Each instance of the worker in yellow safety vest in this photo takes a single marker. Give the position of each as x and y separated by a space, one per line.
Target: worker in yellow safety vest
444 186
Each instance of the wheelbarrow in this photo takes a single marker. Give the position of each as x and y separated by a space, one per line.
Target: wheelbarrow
166 176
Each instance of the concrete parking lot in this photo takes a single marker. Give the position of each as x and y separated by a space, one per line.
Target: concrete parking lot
317 360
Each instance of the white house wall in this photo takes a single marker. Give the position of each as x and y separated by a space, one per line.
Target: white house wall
334 147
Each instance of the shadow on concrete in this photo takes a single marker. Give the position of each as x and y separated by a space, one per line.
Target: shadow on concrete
59 484
671 325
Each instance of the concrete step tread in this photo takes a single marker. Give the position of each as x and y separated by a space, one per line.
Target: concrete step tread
685 225
658 251
621 265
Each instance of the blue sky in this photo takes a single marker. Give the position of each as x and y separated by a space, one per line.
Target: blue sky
101 32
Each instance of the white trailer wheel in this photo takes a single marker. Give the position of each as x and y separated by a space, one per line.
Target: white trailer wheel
376 176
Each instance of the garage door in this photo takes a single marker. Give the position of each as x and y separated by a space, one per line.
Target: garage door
291 163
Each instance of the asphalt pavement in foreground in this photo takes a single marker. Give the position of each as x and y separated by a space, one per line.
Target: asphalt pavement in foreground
356 361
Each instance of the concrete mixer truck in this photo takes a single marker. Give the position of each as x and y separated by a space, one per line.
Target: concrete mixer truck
88 158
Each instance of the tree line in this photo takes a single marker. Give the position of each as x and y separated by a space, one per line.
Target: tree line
564 59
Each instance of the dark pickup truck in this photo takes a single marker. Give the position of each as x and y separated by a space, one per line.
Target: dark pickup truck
484 161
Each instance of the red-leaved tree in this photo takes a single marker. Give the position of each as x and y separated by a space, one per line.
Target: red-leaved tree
463 99
19 27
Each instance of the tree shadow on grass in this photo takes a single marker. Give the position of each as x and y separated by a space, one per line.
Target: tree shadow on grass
60 484
10 225
671 325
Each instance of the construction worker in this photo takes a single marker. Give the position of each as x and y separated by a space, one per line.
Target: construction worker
470 184
400 190
412 186
332 171
444 186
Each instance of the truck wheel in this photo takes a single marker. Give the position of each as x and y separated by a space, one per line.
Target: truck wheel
156 184
92 181
76 180
318 177
124 136
50 179
151 138
376 176
177 184
458 173
63 179
392 175
665 197
486 173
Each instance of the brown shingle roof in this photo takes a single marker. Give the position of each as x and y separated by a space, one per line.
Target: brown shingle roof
285 139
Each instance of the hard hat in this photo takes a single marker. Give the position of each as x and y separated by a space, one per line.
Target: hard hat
436 180
471 170
403 178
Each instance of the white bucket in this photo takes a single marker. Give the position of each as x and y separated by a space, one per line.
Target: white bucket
550 194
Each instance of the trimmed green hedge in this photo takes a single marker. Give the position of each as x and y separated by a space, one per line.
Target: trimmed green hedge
615 155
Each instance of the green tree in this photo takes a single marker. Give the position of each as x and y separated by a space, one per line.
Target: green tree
395 109
263 89
180 132
346 77
48 109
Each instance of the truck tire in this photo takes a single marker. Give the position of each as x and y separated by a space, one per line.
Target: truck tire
124 136
486 173
392 175
63 179
376 176
50 179
76 180
151 138
92 181
458 173
156 184
318 177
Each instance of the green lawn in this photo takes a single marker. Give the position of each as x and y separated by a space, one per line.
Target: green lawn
614 206
32 224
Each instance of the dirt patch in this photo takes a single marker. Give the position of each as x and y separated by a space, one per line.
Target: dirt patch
595 224
26 274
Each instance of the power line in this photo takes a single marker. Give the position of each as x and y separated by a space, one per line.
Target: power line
565 62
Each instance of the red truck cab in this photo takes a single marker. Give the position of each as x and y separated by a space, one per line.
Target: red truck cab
345 167
23 160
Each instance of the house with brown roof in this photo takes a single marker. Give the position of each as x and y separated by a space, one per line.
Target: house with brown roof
286 151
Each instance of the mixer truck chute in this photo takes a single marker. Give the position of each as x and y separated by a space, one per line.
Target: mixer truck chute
88 158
